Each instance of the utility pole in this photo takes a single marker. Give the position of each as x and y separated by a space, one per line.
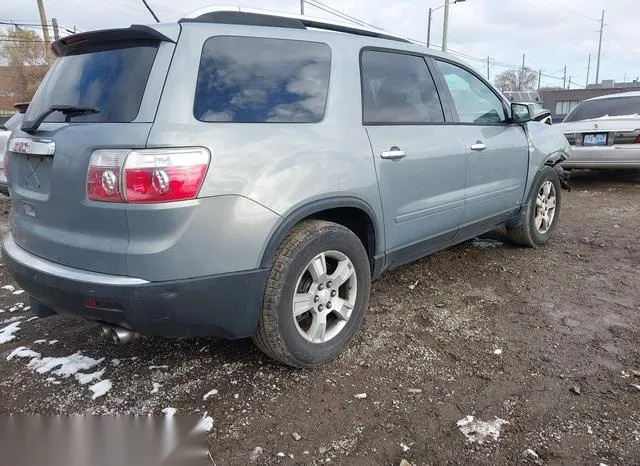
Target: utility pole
539 78
569 82
588 70
302 7
625 78
429 29
445 28
488 69
56 34
599 49
564 79
43 20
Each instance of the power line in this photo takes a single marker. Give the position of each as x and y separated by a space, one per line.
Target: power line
574 11
333 11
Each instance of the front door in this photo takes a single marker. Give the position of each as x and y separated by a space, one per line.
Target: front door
420 162
497 150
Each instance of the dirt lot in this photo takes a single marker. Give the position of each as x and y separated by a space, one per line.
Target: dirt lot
565 317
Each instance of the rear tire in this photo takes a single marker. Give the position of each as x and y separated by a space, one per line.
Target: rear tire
316 295
540 216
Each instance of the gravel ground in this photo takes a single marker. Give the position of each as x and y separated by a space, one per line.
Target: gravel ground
545 339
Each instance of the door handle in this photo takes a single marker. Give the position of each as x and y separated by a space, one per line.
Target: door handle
393 154
478 146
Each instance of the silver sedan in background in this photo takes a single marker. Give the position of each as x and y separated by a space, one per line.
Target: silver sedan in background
604 132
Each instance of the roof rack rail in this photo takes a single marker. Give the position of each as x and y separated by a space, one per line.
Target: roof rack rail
256 17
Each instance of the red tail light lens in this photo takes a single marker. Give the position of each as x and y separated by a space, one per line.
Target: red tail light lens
103 178
637 141
148 175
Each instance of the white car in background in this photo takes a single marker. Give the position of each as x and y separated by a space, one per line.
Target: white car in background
604 132
5 131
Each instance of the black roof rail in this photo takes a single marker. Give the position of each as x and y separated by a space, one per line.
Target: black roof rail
253 17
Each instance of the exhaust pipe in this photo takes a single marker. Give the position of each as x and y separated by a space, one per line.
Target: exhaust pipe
118 335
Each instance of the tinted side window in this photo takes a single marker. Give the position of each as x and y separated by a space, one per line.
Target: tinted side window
398 88
473 99
257 80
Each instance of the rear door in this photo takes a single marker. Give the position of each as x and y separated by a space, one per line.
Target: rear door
497 150
120 74
419 160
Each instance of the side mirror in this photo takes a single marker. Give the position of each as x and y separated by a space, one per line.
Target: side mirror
521 113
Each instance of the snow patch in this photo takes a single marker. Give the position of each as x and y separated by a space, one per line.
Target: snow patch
37 342
204 425
210 393
9 288
477 431
53 342
156 387
12 319
169 412
7 333
100 388
23 352
159 367
31 318
18 292
84 379
67 366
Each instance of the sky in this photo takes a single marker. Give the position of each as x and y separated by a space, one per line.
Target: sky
551 34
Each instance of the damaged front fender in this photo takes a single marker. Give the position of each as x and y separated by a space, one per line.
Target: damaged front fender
547 146
554 161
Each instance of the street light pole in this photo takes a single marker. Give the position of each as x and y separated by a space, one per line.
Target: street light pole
445 26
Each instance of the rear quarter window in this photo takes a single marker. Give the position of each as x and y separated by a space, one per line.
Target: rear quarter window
258 80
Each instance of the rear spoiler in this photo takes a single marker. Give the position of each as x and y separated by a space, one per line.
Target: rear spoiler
106 39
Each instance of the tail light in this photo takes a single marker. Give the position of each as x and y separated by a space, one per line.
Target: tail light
637 141
146 175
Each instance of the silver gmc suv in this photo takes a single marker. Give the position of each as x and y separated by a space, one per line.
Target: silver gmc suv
242 173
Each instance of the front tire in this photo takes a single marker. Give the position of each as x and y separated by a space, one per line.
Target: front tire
540 216
316 295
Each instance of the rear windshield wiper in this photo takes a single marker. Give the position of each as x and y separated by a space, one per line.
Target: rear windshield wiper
68 111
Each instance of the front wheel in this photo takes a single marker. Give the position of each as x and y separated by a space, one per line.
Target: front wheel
540 216
316 296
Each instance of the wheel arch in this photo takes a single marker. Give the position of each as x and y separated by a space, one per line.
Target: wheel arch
350 212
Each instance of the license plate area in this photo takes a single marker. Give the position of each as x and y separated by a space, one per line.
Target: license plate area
595 139
34 172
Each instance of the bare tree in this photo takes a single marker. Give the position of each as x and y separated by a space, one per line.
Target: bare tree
521 79
26 60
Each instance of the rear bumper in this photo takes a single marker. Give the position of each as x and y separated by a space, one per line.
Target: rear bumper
225 306
604 157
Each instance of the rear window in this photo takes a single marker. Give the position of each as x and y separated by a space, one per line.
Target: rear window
613 107
113 81
258 80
